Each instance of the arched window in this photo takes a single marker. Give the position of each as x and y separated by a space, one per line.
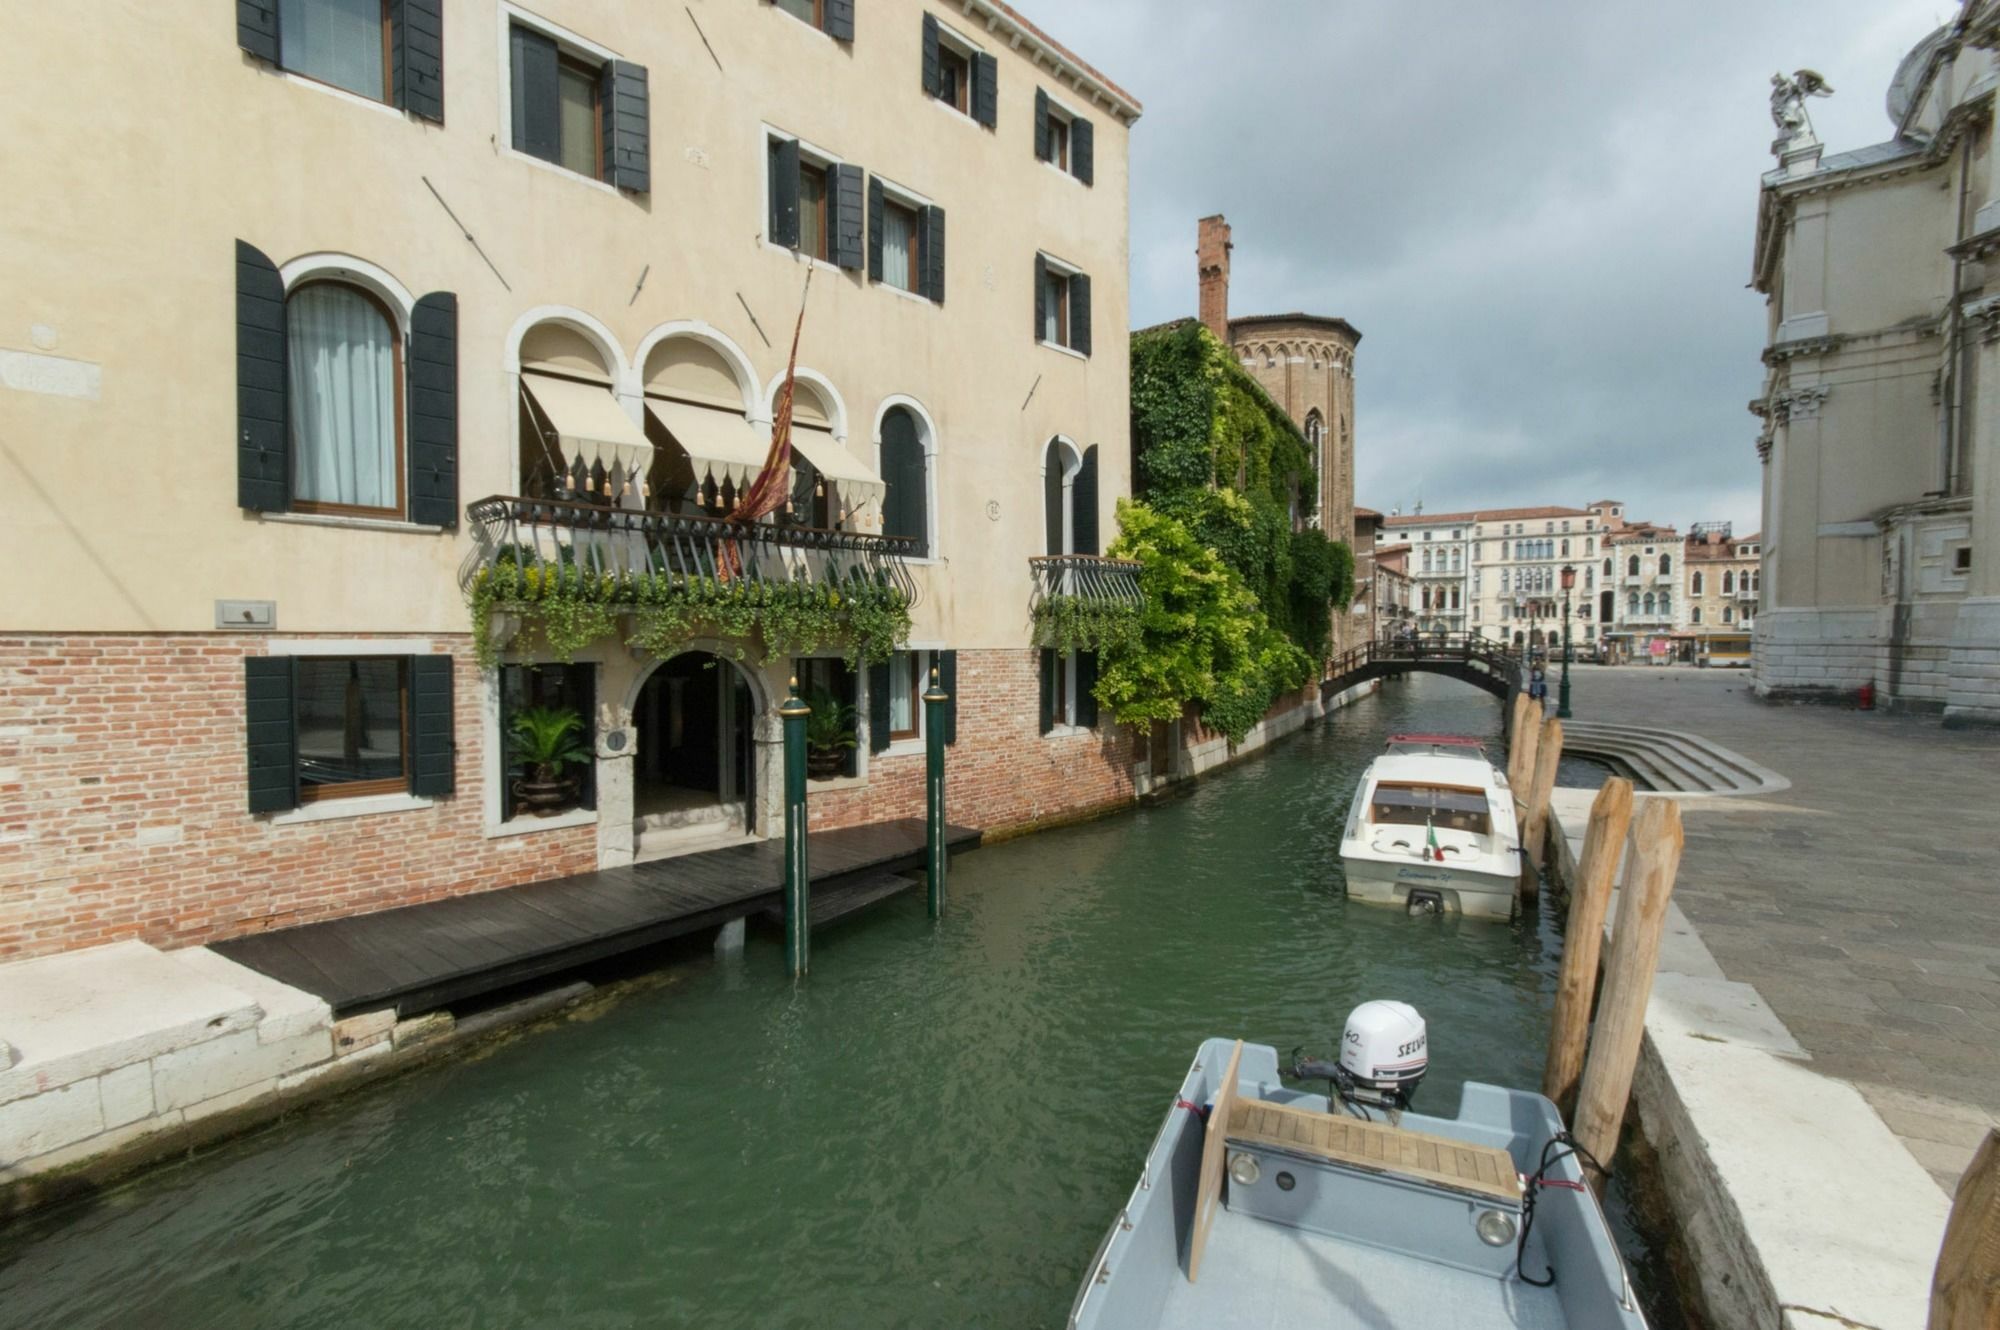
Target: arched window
1589 545
1565 549
1694 615
1666 603
344 385
1427 560
1694 584
1457 560
1315 437
1666 564
1631 602
577 443
1069 498
1607 567
1726 613
1632 566
1728 582
906 473
1649 602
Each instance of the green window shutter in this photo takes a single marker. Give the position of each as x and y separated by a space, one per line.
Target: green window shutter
257 28
1086 684
1079 314
1049 665
1052 497
879 723
431 747
932 70
433 398
1041 125
904 506
263 458
1041 296
536 92
985 89
840 20
624 106
947 668
416 57
877 204
1082 150
1083 505
785 193
844 195
930 223
269 729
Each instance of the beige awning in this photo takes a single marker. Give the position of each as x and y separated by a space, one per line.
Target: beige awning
590 424
853 478
723 446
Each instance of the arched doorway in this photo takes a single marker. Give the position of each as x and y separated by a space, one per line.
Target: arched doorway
694 762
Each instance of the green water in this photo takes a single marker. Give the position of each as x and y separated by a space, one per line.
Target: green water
934 1130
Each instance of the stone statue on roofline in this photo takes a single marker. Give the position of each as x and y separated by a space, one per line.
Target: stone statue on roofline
1788 106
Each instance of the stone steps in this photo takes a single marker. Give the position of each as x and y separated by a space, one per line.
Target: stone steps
1672 761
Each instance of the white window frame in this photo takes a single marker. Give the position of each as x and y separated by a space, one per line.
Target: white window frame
926 653
334 810
1070 115
808 152
927 435
1066 270
967 48
572 44
905 197
493 765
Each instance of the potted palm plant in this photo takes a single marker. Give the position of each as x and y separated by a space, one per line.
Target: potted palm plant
546 740
829 734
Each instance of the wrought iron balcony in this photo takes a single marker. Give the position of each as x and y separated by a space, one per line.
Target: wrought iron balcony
685 548
1091 578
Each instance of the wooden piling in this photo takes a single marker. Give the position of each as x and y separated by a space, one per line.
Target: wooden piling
1548 755
1589 894
1521 756
1965 1291
1517 725
1628 978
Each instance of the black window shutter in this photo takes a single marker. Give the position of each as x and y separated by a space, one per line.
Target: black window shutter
1041 296
1050 663
878 707
985 89
947 668
1079 314
269 729
1041 125
1086 683
257 28
932 72
1052 497
845 196
785 193
876 205
416 57
1082 150
903 468
840 20
431 747
1083 503
433 397
536 94
263 470
624 103
931 257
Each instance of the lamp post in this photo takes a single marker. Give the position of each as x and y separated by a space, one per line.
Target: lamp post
1562 694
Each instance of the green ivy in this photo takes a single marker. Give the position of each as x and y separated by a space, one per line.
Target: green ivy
1064 624
575 607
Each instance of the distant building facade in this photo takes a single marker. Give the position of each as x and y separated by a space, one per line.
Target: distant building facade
1642 572
1724 577
1498 571
1881 471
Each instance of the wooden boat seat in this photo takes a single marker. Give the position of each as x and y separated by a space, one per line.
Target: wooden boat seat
1376 1147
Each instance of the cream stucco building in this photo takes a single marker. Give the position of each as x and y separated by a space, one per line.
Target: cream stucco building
294 300
1881 435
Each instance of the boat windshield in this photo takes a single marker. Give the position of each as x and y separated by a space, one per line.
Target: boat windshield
1446 807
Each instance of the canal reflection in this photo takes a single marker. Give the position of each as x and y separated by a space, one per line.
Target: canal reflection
933 1131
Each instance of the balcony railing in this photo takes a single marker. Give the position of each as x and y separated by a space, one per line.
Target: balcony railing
1087 577
684 548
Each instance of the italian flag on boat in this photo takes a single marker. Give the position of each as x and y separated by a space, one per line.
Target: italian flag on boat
1431 850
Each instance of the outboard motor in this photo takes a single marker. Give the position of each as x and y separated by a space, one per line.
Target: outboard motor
1384 1053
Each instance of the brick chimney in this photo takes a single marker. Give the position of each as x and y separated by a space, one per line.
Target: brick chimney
1212 263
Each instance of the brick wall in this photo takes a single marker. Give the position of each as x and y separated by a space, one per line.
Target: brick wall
1003 774
122 806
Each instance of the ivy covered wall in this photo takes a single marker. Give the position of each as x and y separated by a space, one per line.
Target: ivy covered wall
1238 604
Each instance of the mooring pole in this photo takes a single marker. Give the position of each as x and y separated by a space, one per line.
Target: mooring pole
798 880
934 848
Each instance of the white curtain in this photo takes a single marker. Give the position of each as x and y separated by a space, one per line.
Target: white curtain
342 378
335 41
898 238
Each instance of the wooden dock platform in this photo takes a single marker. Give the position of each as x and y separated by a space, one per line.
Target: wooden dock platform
420 957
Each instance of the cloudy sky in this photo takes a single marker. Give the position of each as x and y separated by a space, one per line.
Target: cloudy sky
1539 215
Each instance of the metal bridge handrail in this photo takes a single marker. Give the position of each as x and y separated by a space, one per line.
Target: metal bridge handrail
1454 648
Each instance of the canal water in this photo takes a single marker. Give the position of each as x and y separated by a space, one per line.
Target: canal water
933 1131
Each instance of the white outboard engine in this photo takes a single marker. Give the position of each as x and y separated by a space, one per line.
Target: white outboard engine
1384 1053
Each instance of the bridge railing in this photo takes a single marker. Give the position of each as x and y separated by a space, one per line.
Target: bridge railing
1473 649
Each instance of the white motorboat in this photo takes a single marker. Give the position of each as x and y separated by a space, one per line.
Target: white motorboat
1432 829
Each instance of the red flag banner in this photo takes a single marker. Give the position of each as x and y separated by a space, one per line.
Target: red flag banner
773 483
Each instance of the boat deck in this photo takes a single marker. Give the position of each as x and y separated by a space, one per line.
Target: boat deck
1281 1278
420 957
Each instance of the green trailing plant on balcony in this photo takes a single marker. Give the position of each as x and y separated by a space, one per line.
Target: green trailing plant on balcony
1066 623
574 607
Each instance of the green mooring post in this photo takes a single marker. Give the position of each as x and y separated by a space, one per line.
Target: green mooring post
934 849
798 879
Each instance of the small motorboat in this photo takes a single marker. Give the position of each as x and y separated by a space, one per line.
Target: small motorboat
1266 1208
1432 830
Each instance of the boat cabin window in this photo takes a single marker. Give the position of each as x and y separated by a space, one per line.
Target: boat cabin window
1445 807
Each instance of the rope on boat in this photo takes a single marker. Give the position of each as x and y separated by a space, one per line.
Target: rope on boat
1535 1183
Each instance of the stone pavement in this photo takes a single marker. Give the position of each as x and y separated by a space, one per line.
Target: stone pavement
1863 903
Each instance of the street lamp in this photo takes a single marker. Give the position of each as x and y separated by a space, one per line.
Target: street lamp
1562 695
